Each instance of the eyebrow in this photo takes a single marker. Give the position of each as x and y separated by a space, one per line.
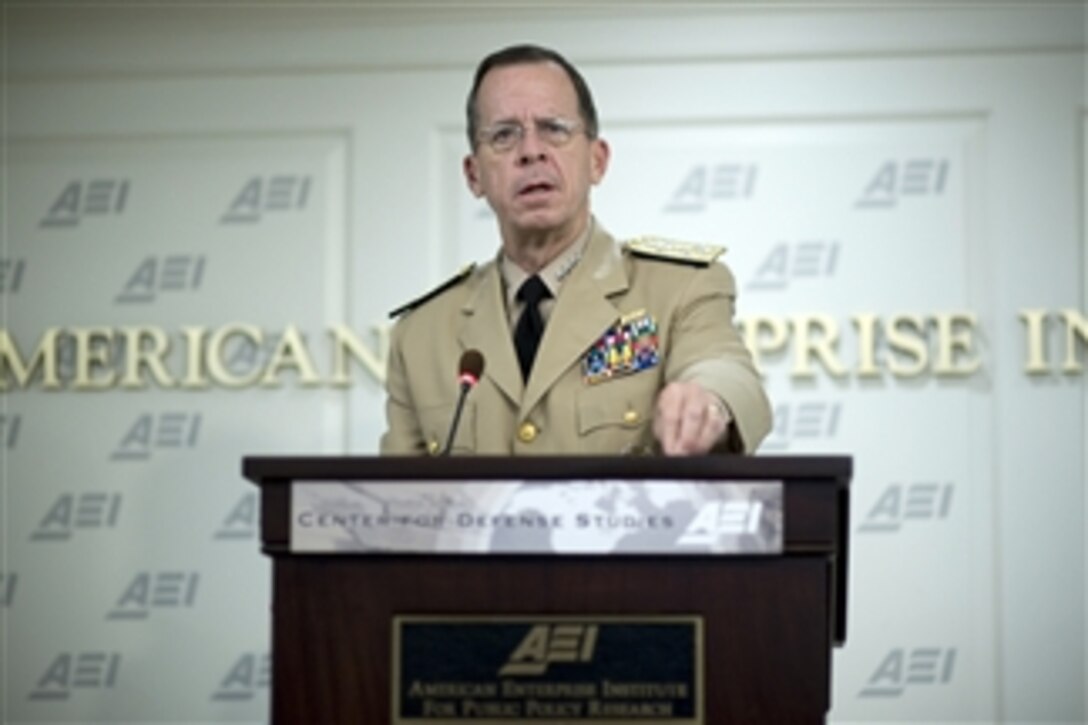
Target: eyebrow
535 119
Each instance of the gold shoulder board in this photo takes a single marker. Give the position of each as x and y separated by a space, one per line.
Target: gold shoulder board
674 251
454 280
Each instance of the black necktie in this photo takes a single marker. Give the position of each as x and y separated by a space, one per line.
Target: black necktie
531 324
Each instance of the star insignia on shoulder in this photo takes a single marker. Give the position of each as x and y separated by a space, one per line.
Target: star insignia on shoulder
451 282
674 251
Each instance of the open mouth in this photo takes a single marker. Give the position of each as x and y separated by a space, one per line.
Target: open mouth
540 187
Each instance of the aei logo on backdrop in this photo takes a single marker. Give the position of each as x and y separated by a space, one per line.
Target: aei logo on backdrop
799 260
897 179
903 668
11 274
169 273
707 183
272 194
97 197
241 522
902 503
250 673
8 582
156 590
810 421
71 671
243 356
73 511
9 430
165 431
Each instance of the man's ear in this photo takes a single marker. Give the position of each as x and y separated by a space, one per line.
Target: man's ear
472 175
599 154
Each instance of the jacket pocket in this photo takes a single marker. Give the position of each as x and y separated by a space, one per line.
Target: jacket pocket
616 416
435 422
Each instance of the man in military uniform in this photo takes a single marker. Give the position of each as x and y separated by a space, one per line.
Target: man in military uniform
591 347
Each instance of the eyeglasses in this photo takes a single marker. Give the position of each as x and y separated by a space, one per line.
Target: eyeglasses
503 136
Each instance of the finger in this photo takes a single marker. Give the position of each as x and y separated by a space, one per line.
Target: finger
670 408
714 421
692 425
715 424
667 419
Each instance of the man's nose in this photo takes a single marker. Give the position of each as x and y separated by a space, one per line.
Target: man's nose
531 147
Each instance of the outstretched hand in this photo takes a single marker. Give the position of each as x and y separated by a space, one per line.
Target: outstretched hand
689 420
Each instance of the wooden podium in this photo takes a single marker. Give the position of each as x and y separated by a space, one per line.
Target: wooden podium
769 621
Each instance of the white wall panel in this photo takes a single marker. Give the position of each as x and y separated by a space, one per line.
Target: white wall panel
117 498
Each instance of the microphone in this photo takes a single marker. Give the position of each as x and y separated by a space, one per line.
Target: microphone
470 368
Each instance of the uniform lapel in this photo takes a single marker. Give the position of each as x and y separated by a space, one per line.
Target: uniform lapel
581 315
485 328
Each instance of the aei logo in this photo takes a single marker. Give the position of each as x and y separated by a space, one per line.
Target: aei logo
72 671
166 431
243 355
722 518
895 180
813 420
903 668
707 183
272 194
97 197
171 273
241 521
73 511
903 503
796 261
155 590
547 643
250 673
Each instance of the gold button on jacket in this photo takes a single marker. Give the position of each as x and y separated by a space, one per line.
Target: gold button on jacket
527 433
691 303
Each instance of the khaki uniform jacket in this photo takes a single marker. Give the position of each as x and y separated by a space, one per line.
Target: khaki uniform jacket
557 411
